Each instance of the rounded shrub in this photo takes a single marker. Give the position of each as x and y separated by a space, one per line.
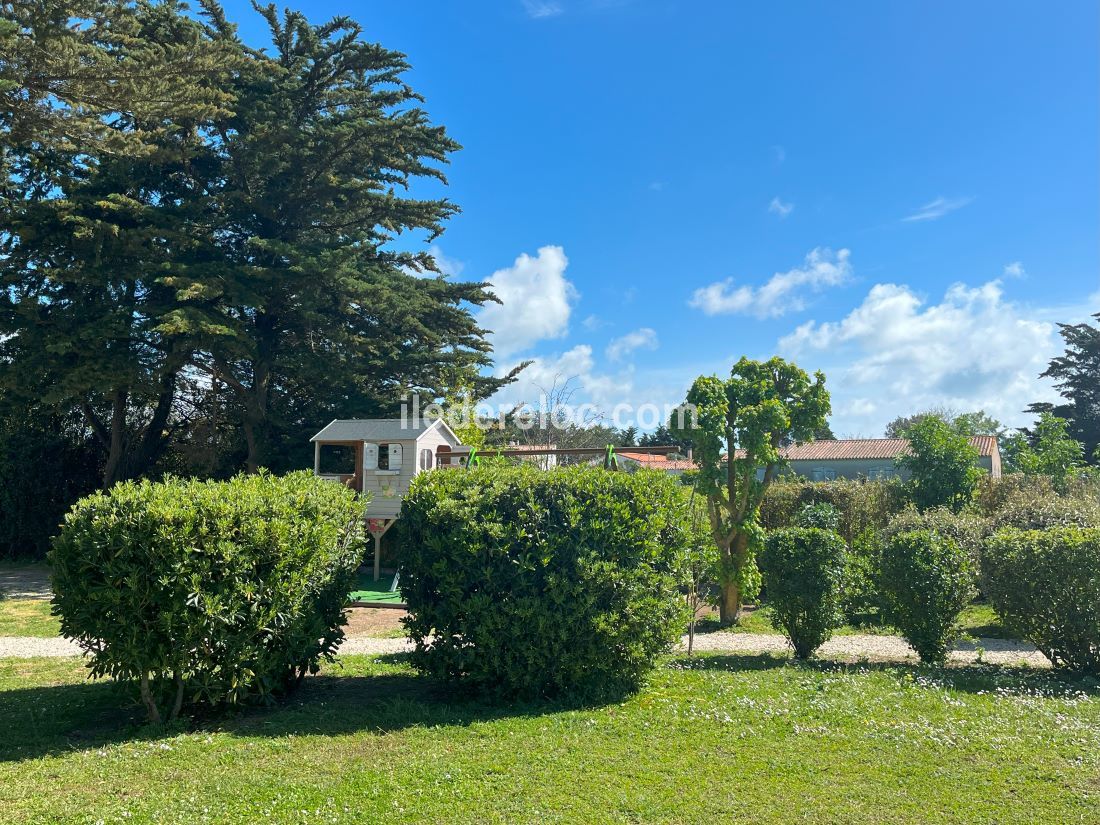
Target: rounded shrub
528 583
926 580
211 593
1045 586
803 570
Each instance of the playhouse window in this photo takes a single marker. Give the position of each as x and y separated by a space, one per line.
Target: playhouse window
337 459
383 456
426 459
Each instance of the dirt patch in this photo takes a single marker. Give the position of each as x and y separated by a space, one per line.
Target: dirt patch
384 622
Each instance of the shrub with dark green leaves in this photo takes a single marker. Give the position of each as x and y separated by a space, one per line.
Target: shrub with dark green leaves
926 580
531 583
1045 586
210 593
803 570
860 600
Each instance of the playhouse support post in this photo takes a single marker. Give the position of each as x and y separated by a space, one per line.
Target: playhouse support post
377 556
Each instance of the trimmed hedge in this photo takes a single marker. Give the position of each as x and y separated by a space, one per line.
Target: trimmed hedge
861 505
803 570
1045 585
212 593
1034 503
532 583
966 529
926 580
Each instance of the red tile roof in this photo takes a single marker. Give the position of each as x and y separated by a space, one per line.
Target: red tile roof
657 462
864 448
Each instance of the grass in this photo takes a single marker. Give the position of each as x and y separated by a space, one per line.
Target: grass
978 620
27 617
714 738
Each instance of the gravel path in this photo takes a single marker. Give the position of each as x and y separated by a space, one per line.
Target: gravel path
843 648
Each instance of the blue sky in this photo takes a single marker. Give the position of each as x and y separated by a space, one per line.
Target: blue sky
906 195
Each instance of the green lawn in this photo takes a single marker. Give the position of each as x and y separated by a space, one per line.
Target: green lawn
27 617
712 739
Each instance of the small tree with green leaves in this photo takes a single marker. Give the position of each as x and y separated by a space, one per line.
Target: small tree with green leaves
1051 451
737 428
942 465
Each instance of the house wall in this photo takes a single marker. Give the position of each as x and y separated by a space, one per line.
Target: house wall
388 487
874 468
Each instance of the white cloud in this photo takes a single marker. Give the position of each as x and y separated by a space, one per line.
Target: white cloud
937 209
896 354
577 366
448 266
777 207
541 9
784 292
536 302
644 338
593 323
1015 270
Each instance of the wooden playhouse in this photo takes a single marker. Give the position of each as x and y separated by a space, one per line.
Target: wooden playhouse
380 456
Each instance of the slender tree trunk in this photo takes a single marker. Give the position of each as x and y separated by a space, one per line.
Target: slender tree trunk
147 699
256 424
116 448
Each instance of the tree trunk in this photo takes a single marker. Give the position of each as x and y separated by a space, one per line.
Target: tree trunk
116 447
736 557
729 604
147 699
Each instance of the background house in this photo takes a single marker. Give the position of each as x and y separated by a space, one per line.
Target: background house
871 458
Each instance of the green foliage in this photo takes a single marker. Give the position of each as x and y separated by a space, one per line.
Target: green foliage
1035 503
968 424
861 601
942 465
45 466
736 428
207 592
926 580
803 570
1076 374
1049 451
968 530
821 515
532 583
1045 585
862 505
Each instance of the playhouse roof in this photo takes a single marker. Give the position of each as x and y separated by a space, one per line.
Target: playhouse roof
377 429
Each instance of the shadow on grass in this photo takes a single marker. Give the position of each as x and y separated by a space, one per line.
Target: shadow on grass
57 719
965 678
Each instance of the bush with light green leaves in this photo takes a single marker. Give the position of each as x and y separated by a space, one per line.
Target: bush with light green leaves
528 583
208 593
